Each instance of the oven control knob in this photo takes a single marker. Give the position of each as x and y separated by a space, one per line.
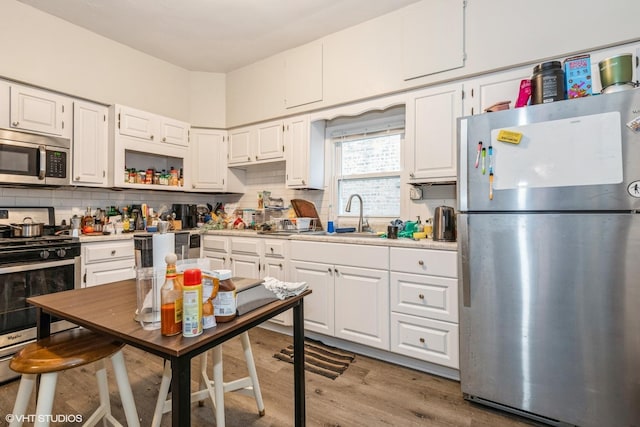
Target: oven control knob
61 253
44 254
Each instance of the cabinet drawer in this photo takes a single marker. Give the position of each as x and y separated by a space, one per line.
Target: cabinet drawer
275 248
365 256
426 296
215 244
244 245
425 261
108 272
425 339
108 251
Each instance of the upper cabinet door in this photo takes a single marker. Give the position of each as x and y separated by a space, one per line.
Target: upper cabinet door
39 111
269 143
137 123
431 134
209 159
303 75
485 91
90 143
297 151
433 37
240 145
174 132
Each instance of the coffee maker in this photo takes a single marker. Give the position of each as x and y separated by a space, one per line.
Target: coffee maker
187 214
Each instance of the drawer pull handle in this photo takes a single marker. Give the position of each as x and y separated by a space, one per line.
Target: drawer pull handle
336 270
420 262
329 269
280 265
422 340
113 252
271 249
421 296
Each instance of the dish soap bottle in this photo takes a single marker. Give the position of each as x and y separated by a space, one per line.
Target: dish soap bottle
171 300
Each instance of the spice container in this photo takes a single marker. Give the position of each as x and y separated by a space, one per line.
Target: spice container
547 83
224 304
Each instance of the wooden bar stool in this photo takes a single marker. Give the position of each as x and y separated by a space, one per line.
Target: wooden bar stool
66 350
214 389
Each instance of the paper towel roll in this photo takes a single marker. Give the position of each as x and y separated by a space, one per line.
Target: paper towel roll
163 244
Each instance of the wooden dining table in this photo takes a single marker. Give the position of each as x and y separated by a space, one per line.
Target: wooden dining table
109 309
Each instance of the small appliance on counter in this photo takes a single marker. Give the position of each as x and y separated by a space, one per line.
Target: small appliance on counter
187 214
444 224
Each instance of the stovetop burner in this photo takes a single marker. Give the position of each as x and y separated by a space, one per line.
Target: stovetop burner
42 241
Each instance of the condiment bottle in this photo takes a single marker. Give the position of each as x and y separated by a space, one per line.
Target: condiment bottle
171 300
192 303
224 304
125 219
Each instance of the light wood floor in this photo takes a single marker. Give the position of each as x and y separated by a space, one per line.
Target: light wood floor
369 393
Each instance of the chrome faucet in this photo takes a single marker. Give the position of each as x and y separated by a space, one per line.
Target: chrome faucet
348 209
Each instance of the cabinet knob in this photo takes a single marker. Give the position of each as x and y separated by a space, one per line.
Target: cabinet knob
15 123
271 249
164 139
280 265
421 296
256 158
248 158
422 340
412 175
329 269
113 252
421 262
336 270
304 182
77 178
193 186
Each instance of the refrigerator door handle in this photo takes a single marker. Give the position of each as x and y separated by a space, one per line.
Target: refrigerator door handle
463 260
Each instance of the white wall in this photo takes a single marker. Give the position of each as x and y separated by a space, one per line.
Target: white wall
46 51
365 61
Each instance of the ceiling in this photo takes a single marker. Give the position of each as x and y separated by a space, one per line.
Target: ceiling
215 35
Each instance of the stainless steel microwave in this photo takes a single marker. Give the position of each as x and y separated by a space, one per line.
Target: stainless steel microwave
27 158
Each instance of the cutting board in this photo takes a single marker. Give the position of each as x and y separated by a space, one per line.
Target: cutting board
306 209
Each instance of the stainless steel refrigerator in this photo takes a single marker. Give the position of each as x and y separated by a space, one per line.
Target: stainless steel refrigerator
549 237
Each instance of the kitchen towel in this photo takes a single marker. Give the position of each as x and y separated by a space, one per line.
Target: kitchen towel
284 289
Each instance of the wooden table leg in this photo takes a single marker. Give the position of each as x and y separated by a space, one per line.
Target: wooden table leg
298 363
180 391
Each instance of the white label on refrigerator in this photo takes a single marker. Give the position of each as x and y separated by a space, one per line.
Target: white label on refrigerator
584 150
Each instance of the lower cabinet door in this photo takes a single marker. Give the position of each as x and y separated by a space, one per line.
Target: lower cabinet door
319 305
362 305
426 339
107 272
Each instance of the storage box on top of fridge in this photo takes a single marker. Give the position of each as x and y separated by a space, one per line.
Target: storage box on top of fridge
577 72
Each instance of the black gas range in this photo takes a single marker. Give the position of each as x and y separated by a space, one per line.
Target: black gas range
37 249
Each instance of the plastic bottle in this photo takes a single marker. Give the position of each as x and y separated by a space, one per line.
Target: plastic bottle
171 300
224 304
208 314
125 219
192 303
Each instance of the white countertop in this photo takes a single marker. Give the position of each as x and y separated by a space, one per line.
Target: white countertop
337 238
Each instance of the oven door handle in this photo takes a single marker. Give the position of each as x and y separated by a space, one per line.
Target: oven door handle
37 266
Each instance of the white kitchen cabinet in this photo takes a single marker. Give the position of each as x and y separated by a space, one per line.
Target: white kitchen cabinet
275 264
107 261
303 75
34 110
90 144
304 152
269 141
482 92
216 249
430 137
144 125
260 143
141 140
425 50
350 284
424 305
209 163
